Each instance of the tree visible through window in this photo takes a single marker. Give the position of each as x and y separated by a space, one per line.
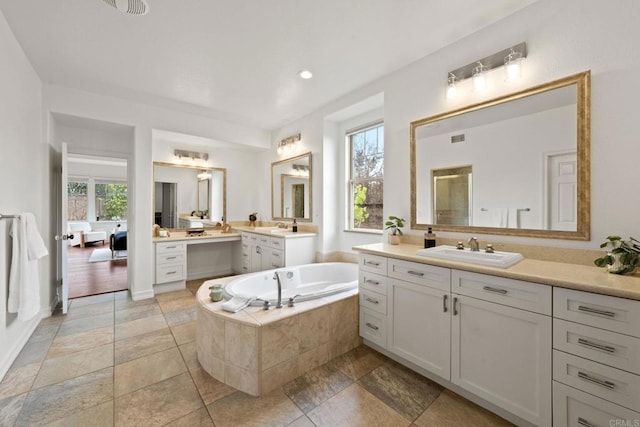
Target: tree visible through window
366 172
77 202
111 201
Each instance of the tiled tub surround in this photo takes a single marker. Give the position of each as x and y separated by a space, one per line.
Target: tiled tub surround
257 351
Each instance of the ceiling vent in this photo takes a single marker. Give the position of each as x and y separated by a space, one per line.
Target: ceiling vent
457 138
130 7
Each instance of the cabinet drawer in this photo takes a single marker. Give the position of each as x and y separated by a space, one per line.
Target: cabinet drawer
575 408
514 293
373 301
277 259
165 259
277 243
373 327
613 349
167 247
246 237
602 311
373 263
373 282
603 381
420 274
169 273
264 240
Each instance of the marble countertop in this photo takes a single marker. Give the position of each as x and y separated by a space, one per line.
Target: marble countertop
209 235
572 276
286 234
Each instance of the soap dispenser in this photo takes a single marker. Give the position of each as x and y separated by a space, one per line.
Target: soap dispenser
294 226
429 239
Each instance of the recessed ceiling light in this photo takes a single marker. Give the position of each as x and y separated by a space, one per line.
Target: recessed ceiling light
305 74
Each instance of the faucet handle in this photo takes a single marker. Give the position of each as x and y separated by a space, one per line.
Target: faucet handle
489 248
460 245
266 305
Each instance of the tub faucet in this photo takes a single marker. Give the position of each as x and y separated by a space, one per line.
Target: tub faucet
276 277
473 243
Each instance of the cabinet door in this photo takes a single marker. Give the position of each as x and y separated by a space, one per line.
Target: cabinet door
266 261
256 258
503 355
420 325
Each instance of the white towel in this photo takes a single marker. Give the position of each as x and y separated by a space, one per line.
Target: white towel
499 217
24 280
513 218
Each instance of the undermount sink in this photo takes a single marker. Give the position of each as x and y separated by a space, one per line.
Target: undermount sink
451 253
271 229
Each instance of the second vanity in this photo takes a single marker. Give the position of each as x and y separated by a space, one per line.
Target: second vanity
539 343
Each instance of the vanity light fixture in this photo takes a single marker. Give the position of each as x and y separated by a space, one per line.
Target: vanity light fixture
193 155
288 144
203 175
305 74
300 170
511 58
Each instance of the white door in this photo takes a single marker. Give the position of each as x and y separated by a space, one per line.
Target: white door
562 179
62 236
420 326
503 355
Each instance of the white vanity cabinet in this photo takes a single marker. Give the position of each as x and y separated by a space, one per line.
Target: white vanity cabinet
263 252
596 359
171 262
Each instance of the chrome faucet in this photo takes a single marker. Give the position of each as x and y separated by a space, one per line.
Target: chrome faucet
473 243
281 225
276 277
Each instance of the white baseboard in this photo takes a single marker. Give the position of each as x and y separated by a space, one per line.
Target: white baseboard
207 274
136 296
169 287
10 356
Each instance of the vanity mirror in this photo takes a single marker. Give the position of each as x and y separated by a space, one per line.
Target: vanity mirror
516 165
291 188
186 194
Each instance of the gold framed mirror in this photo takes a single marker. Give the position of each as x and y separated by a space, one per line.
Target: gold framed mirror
184 195
530 156
291 188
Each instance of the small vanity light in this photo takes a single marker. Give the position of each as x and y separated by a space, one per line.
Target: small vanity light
288 145
452 90
193 155
480 77
305 74
513 65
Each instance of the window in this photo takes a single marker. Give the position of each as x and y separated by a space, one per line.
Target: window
111 200
366 172
77 201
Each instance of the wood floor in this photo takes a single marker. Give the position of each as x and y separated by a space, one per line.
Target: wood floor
91 278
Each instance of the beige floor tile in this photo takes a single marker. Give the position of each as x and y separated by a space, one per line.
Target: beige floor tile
45 332
143 345
199 418
190 355
74 365
123 304
32 352
75 326
451 410
178 317
139 327
138 312
240 409
408 392
302 422
10 409
354 406
96 416
359 362
184 333
52 403
209 388
316 386
139 373
89 310
167 296
158 404
178 303
82 341
93 299
18 380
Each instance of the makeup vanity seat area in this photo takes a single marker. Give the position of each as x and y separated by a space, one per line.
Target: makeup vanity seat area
519 341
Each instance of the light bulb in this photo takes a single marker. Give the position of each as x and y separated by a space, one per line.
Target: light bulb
452 90
279 150
513 68
479 77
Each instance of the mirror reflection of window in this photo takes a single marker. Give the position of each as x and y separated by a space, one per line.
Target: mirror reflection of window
291 188
452 195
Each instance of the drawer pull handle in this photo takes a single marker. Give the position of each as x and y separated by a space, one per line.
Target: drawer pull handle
495 290
245 254
276 255
444 303
373 282
374 263
372 326
602 347
455 306
171 272
170 247
171 257
371 300
603 383
596 311
584 422
415 273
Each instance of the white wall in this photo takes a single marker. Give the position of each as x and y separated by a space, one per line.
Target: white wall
23 178
563 38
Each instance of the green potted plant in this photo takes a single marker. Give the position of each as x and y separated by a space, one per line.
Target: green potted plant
623 257
394 224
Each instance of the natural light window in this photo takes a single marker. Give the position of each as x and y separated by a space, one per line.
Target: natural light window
77 201
366 172
111 201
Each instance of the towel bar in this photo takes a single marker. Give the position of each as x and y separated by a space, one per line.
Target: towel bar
3 216
519 209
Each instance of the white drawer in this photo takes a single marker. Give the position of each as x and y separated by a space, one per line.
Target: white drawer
246 249
575 408
617 350
373 327
606 382
602 311
246 237
253 237
246 268
373 282
277 259
169 273
277 243
167 247
264 240
373 263
373 300
165 259
514 293
420 274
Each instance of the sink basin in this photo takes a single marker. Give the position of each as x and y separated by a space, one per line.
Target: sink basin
450 253
271 229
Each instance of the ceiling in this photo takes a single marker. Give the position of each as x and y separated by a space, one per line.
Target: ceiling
238 60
